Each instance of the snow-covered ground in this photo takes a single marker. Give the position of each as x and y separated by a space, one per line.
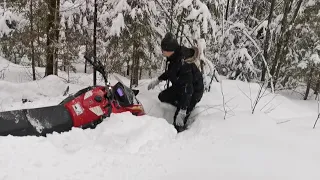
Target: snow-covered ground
277 142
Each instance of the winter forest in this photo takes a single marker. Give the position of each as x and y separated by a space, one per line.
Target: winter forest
275 43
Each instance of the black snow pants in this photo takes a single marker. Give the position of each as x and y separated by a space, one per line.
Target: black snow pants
172 96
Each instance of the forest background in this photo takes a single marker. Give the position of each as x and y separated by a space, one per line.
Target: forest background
275 43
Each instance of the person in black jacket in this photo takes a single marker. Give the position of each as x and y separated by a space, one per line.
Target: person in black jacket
186 78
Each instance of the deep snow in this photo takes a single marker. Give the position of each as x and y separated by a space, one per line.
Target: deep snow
276 142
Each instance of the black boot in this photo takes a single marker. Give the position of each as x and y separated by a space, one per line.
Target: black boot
180 128
184 127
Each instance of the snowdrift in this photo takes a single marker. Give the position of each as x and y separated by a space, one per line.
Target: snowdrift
276 142
44 92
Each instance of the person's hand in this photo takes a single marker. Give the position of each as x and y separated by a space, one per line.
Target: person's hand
153 84
180 117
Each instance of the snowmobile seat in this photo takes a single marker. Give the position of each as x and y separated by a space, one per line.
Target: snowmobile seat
38 121
80 92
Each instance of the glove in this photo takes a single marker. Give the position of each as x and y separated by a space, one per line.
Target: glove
180 117
153 84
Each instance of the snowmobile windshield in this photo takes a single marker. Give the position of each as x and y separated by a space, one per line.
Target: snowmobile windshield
124 95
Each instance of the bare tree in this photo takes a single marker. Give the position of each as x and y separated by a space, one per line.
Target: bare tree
282 46
310 78
95 41
32 42
51 36
56 32
318 112
267 40
227 10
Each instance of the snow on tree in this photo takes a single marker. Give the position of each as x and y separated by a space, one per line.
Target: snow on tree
305 67
131 31
12 22
11 19
193 24
235 37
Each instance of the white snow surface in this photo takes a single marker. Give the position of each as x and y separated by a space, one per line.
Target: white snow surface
277 142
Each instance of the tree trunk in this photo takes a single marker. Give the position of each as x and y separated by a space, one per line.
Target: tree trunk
32 45
250 22
50 37
95 42
279 47
15 58
317 88
296 12
309 84
286 79
266 41
171 15
135 54
135 65
40 63
282 46
128 69
56 29
227 9
140 73
286 40
233 5
85 61
180 24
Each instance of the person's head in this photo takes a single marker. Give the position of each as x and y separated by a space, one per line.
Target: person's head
168 45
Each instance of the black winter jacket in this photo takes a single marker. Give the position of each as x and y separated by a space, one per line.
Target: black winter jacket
184 74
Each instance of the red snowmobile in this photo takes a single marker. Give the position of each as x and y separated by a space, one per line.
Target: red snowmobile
84 109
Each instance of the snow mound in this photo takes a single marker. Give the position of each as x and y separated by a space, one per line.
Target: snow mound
48 87
120 133
17 73
238 96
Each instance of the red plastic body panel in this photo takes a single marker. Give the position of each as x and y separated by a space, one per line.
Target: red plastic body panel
85 109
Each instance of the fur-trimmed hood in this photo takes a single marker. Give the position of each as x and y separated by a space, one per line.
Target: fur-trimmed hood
195 58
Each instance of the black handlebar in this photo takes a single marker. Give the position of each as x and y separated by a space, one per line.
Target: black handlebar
98 66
